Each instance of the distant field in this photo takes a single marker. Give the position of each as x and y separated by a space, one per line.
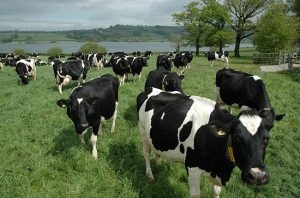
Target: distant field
41 156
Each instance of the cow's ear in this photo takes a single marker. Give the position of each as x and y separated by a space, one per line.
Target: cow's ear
279 117
63 103
92 101
181 77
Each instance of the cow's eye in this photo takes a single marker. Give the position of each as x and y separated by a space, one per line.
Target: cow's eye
237 139
265 141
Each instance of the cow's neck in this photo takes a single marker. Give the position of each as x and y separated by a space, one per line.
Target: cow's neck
224 163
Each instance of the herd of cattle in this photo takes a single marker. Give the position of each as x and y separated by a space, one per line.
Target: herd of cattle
196 131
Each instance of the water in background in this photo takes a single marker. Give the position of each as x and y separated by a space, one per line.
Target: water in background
70 46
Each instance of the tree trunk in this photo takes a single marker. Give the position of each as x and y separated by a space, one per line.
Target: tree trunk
197 49
237 45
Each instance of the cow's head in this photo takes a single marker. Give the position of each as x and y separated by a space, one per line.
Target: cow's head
22 72
79 110
269 116
247 143
172 82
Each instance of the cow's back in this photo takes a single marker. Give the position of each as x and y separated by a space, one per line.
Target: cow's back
170 121
105 88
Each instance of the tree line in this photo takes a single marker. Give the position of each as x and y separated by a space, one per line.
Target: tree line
273 25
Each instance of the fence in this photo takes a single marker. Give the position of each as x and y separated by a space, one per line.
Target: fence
275 58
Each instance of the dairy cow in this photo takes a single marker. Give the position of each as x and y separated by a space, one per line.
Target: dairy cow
164 80
91 103
64 72
182 61
205 137
165 60
217 55
26 69
245 91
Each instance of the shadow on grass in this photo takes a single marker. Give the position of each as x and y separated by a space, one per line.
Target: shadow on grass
294 74
130 115
65 141
128 163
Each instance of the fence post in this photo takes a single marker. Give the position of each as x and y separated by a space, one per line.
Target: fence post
290 61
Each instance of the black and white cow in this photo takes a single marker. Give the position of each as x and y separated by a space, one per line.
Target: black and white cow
96 59
165 60
182 61
121 67
164 80
64 72
205 137
25 69
91 103
217 55
236 88
136 65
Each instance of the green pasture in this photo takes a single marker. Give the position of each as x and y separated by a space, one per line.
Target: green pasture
41 156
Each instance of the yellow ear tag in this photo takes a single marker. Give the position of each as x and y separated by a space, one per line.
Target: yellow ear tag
221 132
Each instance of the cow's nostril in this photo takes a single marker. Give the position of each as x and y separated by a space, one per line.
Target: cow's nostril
84 124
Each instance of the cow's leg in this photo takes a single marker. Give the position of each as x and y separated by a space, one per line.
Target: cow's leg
217 191
81 136
94 142
211 63
146 153
59 86
114 118
226 61
94 138
194 182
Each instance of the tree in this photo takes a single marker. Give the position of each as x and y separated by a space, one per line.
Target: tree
20 51
178 41
244 12
275 30
55 51
218 18
91 47
192 23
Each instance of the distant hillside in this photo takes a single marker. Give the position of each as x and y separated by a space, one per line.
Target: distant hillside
115 33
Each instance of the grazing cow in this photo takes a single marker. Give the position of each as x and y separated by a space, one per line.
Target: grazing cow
205 137
24 69
120 67
164 80
148 54
236 88
91 103
217 55
69 70
136 65
165 60
96 59
182 60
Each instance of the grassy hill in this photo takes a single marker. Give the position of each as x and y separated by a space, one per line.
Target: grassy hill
113 33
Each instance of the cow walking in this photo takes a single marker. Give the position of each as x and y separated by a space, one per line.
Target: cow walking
69 70
182 61
205 137
91 103
25 69
217 55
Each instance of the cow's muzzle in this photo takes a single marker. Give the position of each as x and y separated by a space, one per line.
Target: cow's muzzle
256 176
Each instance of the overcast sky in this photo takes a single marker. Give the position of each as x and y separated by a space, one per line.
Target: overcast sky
48 15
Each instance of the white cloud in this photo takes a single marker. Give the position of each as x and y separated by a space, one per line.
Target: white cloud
78 14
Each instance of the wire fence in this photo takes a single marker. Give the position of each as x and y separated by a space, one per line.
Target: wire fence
276 58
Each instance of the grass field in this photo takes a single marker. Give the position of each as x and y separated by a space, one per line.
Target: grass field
41 156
